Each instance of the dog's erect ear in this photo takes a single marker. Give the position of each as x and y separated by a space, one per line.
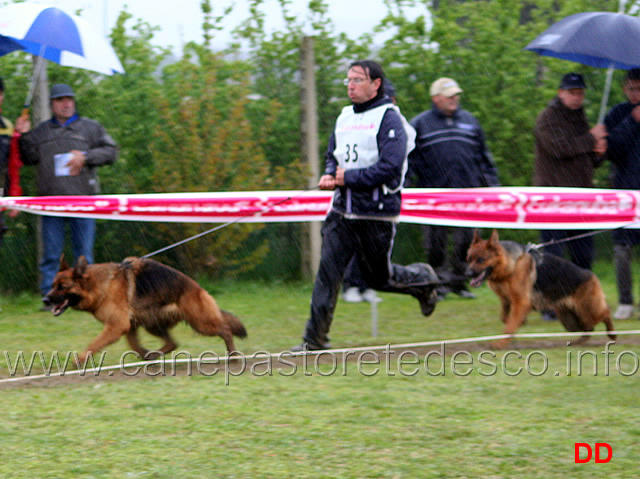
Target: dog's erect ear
476 236
494 239
63 263
80 267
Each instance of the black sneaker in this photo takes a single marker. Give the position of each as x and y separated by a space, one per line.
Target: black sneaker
427 297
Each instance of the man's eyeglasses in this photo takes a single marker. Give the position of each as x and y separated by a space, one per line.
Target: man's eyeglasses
357 81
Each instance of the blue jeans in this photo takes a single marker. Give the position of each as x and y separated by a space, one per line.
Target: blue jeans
83 232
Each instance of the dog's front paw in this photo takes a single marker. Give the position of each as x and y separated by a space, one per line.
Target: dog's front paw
500 343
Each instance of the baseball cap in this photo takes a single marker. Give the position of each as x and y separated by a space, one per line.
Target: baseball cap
60 90
445 86
572 80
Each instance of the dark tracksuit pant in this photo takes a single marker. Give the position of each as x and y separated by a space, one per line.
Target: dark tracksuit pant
371 241
436 244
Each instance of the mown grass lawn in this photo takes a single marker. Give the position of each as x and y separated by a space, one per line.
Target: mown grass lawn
401 422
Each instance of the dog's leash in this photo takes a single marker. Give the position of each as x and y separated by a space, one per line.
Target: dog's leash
537 246
229 223
438 282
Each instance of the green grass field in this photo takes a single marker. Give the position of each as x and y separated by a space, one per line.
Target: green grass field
476 420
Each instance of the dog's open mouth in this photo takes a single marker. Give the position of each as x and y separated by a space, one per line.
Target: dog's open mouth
477 280
58 309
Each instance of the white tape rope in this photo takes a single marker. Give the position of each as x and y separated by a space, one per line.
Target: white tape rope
264 355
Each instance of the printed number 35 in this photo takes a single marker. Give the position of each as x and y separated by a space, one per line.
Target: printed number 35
352 151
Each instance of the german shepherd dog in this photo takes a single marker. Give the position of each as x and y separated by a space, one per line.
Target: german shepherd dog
532 280
139 293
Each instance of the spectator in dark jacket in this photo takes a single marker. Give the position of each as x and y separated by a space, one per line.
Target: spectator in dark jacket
623 127
66 150
566 153
450 152
365 164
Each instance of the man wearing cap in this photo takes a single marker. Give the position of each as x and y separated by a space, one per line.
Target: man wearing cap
566 153
451 152
66 150
623 126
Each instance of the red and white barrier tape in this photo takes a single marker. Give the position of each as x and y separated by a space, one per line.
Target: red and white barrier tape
503 207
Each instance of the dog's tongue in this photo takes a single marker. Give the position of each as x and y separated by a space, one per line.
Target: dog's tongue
60 308
477 281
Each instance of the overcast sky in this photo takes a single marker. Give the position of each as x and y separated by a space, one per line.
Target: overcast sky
181 20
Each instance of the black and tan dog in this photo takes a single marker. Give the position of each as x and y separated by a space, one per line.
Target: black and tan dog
139 293
524 281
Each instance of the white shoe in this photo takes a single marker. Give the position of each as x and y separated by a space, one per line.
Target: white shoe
370 296
352 295
624 311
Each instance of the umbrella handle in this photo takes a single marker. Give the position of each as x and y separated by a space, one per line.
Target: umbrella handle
39 65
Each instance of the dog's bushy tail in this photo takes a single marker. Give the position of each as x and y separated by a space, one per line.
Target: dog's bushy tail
237 328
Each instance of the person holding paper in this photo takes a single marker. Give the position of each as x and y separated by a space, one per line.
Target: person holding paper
67 151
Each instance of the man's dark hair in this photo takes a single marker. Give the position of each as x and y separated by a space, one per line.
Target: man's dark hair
373 69
1 84
633 74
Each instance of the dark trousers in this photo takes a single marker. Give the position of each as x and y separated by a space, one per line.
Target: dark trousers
371 242
581 251
353 276
436 245
624 279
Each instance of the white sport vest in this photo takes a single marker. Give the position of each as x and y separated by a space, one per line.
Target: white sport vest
356 137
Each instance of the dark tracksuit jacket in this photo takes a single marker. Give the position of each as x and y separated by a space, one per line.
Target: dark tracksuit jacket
623 150
362 222
451 152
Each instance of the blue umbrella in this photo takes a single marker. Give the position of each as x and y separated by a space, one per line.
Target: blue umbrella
597 39
51 33
58 36
8 45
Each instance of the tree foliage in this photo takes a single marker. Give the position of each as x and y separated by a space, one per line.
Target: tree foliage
231 120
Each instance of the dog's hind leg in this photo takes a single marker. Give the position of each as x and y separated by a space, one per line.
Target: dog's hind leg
572 322
162 333
609 324
202 313
132 339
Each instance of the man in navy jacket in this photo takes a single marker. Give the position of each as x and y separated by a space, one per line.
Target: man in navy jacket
450 152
